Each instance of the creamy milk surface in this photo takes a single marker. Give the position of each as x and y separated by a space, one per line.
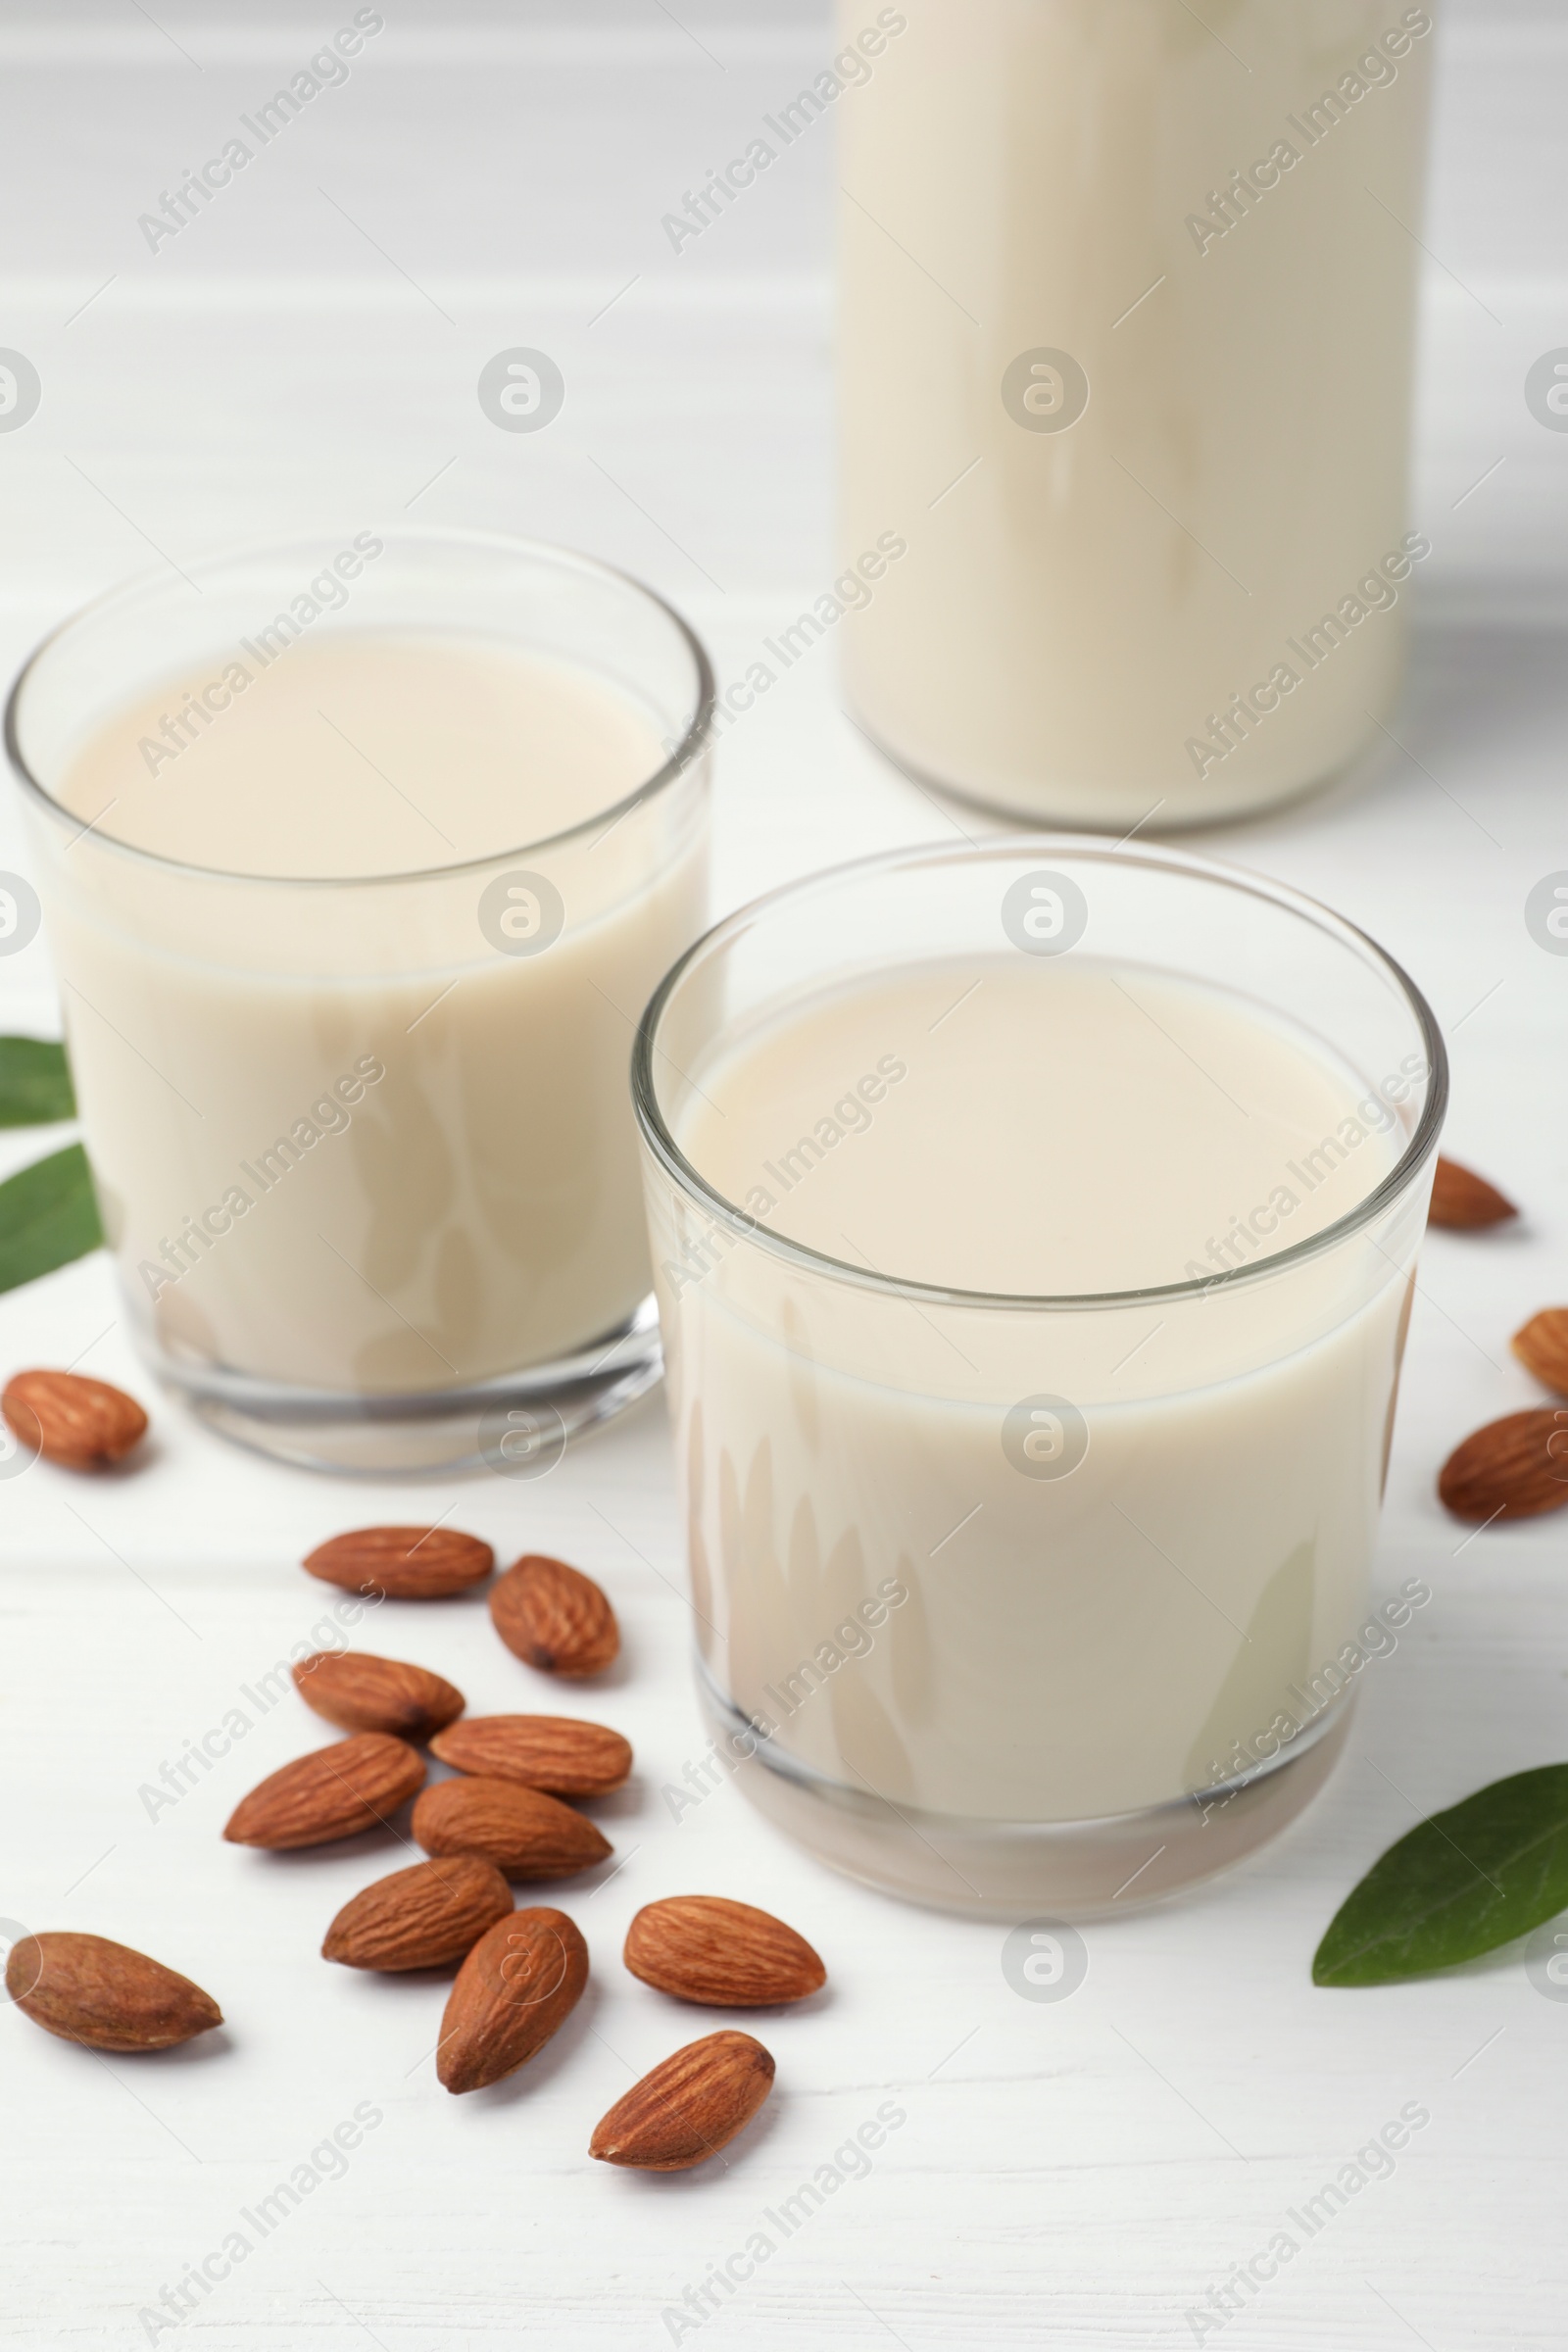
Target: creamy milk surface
362 754
1023 1127
1111 1555
373 1139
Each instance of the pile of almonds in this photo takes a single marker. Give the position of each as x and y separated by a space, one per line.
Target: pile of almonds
1515 1467
508 1815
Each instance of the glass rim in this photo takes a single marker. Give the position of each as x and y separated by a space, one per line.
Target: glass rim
1420 1147
693 743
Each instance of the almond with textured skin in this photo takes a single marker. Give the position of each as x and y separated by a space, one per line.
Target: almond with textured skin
1541 1347
402 1563
554 1617
521 1830
517 1984
83 1424
334 1792
556 1752
1514 1468
688 2108
359 1692
1464 1202
87 1989
703 1948
425 1917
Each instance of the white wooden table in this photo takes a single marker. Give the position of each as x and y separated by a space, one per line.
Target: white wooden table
1078 2174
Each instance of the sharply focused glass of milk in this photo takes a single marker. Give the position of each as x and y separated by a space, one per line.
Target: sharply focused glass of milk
360 860
1126 330
1035 1229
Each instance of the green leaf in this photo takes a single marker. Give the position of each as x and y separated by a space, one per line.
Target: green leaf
35 1083
47 1217
1460 1883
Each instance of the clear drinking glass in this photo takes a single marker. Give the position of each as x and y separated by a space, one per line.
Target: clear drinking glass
1004 1600
362 1142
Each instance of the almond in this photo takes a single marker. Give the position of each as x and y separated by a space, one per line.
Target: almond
363 1694
539 1751
85 1988
525 1834
703 1948
1465 1200
420 1917
84 1424
1541 1347
402 1563
554 1617
518 1983
334 1792
688 2108
1513 1469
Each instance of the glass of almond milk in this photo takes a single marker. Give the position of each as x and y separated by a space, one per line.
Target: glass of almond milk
360 858
1035 1229
1127 323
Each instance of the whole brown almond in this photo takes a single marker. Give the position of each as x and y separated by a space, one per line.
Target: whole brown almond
402 1563
555 1753
334 1792
359 1692
703 1947
688 2108
1464 1202
87 1989
83 1424
554 1617
425 1917
1514 1468
1541 1347
518 1983
521 1830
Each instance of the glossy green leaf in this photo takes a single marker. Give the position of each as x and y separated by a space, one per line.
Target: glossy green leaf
1460 1883
47 1217
35 1083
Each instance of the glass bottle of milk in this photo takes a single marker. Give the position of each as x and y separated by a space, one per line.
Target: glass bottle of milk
1128 295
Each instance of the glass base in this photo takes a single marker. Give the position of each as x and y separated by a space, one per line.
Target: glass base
1000 1870
1097 808
519 1426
